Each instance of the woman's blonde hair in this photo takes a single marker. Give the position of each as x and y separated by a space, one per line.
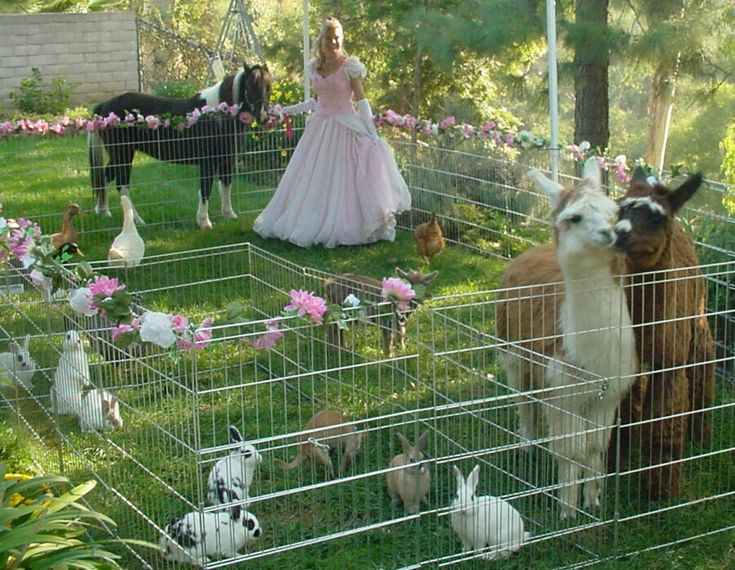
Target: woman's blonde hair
328 24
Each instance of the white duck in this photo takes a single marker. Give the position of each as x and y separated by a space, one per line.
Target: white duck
128 248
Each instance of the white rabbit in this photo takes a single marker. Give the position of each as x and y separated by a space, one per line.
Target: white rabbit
18 363
195 538
410 485
100 411
484 522
71 376
231 476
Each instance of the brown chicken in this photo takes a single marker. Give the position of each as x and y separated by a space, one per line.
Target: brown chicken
68 233
429 238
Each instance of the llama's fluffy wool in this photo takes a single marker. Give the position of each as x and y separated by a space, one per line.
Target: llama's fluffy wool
667 295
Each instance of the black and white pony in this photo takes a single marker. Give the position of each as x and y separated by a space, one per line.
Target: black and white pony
211 142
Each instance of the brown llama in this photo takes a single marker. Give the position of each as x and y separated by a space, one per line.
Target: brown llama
667 297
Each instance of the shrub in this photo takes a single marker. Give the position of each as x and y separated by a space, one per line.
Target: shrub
41 526
35 98
176 88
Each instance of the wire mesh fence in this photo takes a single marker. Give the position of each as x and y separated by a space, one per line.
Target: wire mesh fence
177 408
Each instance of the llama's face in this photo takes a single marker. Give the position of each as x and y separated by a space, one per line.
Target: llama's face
646 217
584 220
644 225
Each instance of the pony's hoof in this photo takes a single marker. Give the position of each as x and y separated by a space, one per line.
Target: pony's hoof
103 212
205 225
230 215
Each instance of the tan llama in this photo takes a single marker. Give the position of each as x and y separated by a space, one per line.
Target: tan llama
565 316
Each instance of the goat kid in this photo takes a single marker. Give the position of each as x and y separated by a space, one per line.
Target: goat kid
562 301
365 288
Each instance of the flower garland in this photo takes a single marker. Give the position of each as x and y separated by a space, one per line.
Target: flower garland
66 125
95 294
314 309
104 296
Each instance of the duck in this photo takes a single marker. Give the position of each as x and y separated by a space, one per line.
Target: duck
67 251
68 233
128 247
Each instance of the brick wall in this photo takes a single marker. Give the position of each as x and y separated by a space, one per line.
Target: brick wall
97 53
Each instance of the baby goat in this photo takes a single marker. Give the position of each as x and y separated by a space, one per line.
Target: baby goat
337 289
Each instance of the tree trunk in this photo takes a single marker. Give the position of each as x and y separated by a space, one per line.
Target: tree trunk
659 103
591 59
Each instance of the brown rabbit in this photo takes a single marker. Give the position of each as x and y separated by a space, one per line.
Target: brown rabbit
317 444
410 486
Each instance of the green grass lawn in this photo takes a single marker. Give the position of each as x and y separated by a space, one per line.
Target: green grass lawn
176 410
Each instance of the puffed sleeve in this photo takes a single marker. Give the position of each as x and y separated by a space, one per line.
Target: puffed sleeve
355 68
311 66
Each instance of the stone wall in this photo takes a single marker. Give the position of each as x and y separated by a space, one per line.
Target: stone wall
97 53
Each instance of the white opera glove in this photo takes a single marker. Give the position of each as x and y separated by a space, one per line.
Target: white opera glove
366 114
303 107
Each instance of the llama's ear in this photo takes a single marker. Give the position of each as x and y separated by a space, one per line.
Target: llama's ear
681 194
591 172
549 187
639 176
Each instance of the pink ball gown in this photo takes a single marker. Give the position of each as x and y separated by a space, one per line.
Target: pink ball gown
340 187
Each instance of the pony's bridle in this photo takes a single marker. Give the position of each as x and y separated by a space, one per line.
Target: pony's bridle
259 103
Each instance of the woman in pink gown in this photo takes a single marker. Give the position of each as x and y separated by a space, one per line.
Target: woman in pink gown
342 185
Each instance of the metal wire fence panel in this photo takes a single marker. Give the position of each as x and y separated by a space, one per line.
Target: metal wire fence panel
177 406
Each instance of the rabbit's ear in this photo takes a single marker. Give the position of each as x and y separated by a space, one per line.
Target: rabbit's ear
422 441
26 340
235 512
458 476
14 348
404 443
474 478
235 436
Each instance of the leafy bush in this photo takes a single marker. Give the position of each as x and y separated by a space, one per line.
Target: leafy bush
41 526
183 89
728 165
35 98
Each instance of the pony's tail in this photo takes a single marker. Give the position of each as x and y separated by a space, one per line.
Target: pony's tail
97 174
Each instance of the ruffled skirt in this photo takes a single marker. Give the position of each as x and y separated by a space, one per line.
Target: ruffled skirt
340 188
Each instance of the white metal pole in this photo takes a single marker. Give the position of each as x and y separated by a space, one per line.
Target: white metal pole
307 49
553 88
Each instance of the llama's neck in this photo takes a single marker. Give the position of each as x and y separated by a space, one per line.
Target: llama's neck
594 317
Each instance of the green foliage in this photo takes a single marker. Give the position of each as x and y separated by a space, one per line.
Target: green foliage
41 526
287 91
14 451
34 97
728 166
175 88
